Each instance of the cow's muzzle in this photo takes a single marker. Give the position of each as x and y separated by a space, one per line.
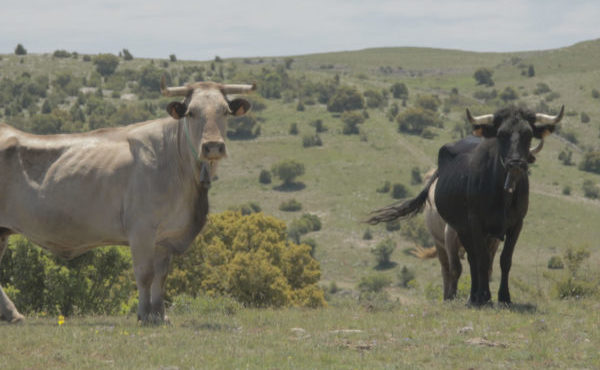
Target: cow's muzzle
515 169
213 150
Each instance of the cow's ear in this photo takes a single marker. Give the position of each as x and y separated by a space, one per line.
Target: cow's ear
176 109
541 132
484 130
239 106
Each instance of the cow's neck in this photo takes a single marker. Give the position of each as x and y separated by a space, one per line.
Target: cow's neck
188 149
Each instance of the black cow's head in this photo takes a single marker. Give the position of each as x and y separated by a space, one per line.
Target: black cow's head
513 128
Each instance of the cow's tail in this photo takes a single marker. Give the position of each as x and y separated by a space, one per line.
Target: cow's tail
406 209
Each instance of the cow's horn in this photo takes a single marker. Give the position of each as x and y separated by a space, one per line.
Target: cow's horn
238 89
548 119
538 148
486 119
172 91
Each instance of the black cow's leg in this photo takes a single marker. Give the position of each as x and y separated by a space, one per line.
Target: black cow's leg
512 235
479 261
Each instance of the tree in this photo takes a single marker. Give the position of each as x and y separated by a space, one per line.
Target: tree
429 102
590 162
530 71
127 55
288 63
288 170
173 58
264 177
20 50
415 120
399 90
483 76
508 94
106 64
375 99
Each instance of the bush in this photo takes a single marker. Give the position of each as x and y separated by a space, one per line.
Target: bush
508 94
106 64
384 188
399 90
585 118
264 177
288 170
566 190
293 129
541 88
590 189
305 224
291 205
383 251
344 99
246 209
173 58
367 235
428 102
97 282
392 225
127 55
374 99
414 120
483 76
399 191
243 127
590 162
373 283
415 176
351 121
415 230
61 54
406 277
566 157
311 140
595 94
249 259
319 126
555 263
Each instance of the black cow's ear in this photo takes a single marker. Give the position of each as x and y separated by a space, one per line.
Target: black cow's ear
239 106
541 132
176 109
484 130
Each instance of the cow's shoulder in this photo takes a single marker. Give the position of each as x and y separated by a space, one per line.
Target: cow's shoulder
451 150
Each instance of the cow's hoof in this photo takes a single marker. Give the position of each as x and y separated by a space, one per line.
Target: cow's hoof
14 318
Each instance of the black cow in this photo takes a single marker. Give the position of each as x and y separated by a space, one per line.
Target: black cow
482 191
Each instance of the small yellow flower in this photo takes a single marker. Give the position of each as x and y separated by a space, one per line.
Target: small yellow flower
61 320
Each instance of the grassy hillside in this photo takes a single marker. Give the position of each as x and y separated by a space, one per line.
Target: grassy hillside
342 175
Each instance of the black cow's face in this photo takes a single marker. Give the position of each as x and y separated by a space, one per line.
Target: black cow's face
513 129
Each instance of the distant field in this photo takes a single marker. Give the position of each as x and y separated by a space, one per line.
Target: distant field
340 187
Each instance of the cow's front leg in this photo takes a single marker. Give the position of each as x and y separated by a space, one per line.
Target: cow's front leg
512 235
8 311
142 254
162 258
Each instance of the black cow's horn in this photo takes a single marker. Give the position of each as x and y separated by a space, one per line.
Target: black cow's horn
486 119
172 91
548 119
538 148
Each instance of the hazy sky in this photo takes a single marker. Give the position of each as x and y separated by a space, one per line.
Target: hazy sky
199 30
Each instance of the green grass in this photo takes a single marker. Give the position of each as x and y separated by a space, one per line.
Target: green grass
340 186
423 335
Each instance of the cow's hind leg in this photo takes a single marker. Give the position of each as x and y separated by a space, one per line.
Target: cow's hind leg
452 246
8 311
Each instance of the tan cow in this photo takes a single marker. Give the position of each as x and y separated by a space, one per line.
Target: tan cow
144 185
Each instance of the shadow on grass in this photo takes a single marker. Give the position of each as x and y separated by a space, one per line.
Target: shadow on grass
519 307
385 266
208 326
294 186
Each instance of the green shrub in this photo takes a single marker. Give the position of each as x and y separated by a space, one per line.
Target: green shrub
106 64
399 191
249 259
406 277
555 263
590 189
291 205
428 102
127 55
399 90
595 94
483 76
319 126
367 235
566 190
541 88
351 121
345 98
246 208
383 252
243 127
415 230
311 140
375 99
293 129
288 170
384 188
572 285
305 224
98 282
508 94
590 162
61 54
415 119
585 118
415 176
566 157
20 50
264 177
373 283
392 225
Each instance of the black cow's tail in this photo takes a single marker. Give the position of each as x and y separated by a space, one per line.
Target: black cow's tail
406 209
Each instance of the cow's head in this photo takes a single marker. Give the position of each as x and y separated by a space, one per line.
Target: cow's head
513 128
204 111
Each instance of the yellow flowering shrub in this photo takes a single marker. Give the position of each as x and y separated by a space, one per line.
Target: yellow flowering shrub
249 258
